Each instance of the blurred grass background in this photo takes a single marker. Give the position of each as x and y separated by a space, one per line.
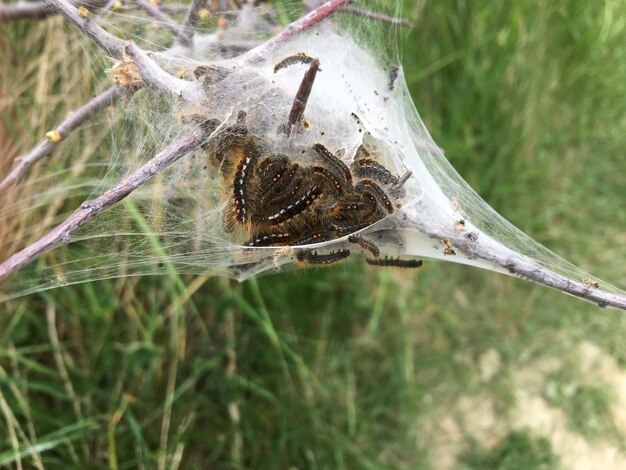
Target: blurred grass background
350 366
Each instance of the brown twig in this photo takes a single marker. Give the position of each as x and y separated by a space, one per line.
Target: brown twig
378 16
47 146
297 27
62 233
185 37
302 97
158 14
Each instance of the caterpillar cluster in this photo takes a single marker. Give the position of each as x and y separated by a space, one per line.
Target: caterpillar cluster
278 200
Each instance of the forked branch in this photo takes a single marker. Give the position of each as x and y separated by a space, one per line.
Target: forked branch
61 234
152 74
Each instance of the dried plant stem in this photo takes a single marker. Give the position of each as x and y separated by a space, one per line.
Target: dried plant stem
522 266
294 29
302 96
378 16
46 146
61 234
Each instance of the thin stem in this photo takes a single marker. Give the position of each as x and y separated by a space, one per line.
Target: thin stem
46 146
174 7
107 6
155 77
188 29
297 27
62 234
164 18
20 10
378 16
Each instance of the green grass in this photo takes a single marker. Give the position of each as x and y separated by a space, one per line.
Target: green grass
518 451
350 366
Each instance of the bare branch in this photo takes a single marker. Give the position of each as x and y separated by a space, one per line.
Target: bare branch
522 266
107 6
157 13
23 10
47 146
378 16
297 27
187 31
19 10
61 234
174 8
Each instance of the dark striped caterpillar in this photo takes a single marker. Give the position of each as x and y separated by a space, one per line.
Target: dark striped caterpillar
396 262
